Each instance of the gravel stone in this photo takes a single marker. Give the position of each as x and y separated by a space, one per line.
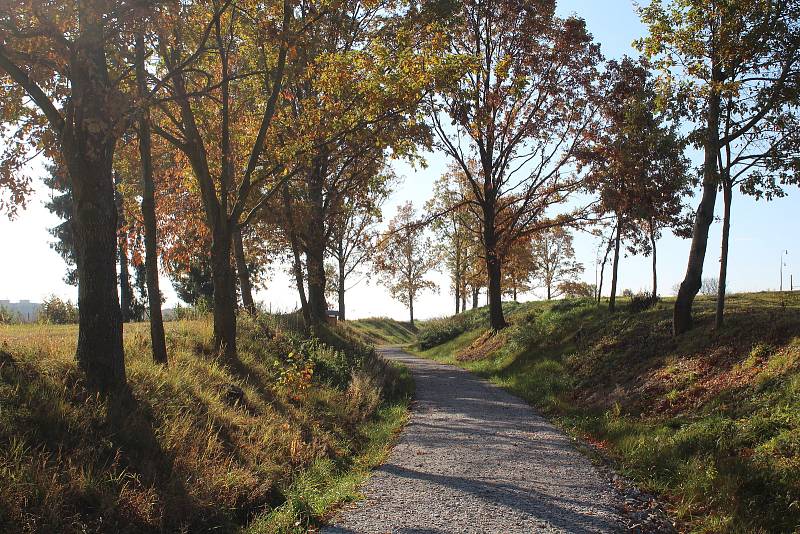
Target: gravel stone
475 458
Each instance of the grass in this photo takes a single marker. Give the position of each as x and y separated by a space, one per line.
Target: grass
269 443
711 421
383 331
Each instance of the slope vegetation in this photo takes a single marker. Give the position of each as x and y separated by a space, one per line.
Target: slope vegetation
269 442
383 331
711 421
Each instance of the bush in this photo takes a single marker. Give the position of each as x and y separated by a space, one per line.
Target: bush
8 316
57 311
438 331
642 301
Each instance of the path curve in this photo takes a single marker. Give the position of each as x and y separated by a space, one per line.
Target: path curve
475 458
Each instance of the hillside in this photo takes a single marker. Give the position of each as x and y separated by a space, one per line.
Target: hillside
383 331
711 421
270 442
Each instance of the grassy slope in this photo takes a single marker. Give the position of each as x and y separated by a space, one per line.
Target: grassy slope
711 420
178 453
383 331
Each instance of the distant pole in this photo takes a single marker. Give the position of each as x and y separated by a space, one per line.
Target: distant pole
783 252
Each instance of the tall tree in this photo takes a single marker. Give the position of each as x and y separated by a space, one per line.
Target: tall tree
404 257
237 79
457 228
555 260
522 110
354 233
736 65
148 205
363 69
59 63
636 164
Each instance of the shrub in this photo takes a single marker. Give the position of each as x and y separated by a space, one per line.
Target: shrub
642 301
438 331
57 311
8 316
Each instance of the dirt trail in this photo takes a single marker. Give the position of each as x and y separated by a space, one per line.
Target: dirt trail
475 458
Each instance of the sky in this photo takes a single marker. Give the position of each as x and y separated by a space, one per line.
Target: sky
31 270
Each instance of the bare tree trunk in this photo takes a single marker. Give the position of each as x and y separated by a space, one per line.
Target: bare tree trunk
411 309
125 289
315 248
157 338
549 291
493 269
297 266
727 195
341 288
475 296
243 272
88 152
612 301
655 258
682 313
603 267
224 292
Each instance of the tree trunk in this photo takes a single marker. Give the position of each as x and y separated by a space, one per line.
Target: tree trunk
514 292
727 195
603 267
463 297
315 247
341 288
224 291
493 268
612 301
682 313
549 291
125 289
243 272
411 310
87 145
475 297
157 338
297 266
655 259
457 277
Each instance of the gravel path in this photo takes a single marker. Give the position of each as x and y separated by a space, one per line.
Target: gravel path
474 458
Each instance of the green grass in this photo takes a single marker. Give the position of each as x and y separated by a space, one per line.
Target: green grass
711 421
383 331
176 453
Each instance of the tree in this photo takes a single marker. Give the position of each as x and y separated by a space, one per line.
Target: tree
636 164
354 234
61 88
523 108
555 260
236 77
362 71
404 257
736 63
148 205
61 205
456 228
519 268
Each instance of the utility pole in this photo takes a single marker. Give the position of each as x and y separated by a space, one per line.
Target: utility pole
783 252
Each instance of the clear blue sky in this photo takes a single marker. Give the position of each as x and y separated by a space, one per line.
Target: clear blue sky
31 270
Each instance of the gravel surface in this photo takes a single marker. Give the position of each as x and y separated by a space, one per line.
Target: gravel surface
474 458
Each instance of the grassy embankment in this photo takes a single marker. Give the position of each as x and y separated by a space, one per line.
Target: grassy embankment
270 443
383 331
711 421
